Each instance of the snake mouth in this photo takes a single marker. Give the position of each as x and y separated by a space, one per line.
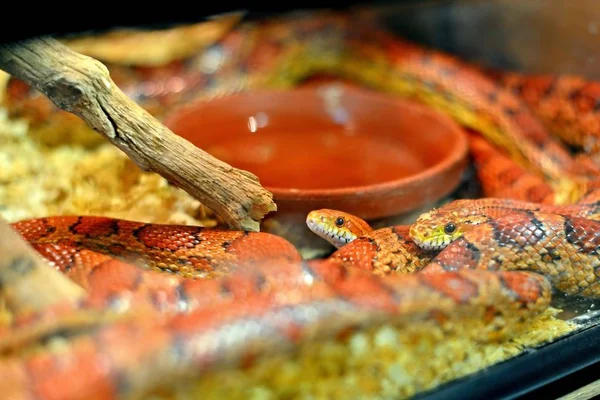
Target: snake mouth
432 243
333 235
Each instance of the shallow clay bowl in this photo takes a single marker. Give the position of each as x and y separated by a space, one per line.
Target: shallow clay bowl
332 146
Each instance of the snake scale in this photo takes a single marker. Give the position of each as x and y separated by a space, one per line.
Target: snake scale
166 302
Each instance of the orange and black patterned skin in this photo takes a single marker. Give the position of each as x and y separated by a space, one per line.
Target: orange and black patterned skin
499 176
174 327
568 105
479 104
563 248
188 250
435 229
182 326
384 251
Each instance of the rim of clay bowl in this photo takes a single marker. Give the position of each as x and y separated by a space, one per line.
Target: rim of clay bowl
455 154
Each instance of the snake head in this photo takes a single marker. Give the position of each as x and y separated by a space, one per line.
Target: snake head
337 227
436 229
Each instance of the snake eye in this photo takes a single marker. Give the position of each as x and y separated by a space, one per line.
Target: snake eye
339 221
449 228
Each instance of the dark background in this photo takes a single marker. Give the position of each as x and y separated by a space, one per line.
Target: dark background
59 18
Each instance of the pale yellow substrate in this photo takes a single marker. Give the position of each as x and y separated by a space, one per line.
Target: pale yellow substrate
387 363
38 181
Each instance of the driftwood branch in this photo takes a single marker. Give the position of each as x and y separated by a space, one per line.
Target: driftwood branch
82 85
154 47
27 282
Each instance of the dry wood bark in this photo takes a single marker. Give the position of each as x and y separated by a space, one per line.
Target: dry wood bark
82 85
154 47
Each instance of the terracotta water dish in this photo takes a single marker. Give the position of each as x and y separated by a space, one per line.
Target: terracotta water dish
332 146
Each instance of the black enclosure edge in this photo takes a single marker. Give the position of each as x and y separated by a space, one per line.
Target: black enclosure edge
524 374
63 19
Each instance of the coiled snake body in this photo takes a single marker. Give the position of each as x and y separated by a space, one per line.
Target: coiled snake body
165 302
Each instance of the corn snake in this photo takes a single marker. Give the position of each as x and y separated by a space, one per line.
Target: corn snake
260 284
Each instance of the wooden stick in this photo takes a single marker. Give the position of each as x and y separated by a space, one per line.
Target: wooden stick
27 281
154 48
82 85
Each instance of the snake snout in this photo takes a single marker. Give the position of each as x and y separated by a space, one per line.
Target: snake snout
312 225
312 219
426 239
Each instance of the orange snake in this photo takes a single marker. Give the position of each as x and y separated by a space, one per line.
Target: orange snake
253 293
